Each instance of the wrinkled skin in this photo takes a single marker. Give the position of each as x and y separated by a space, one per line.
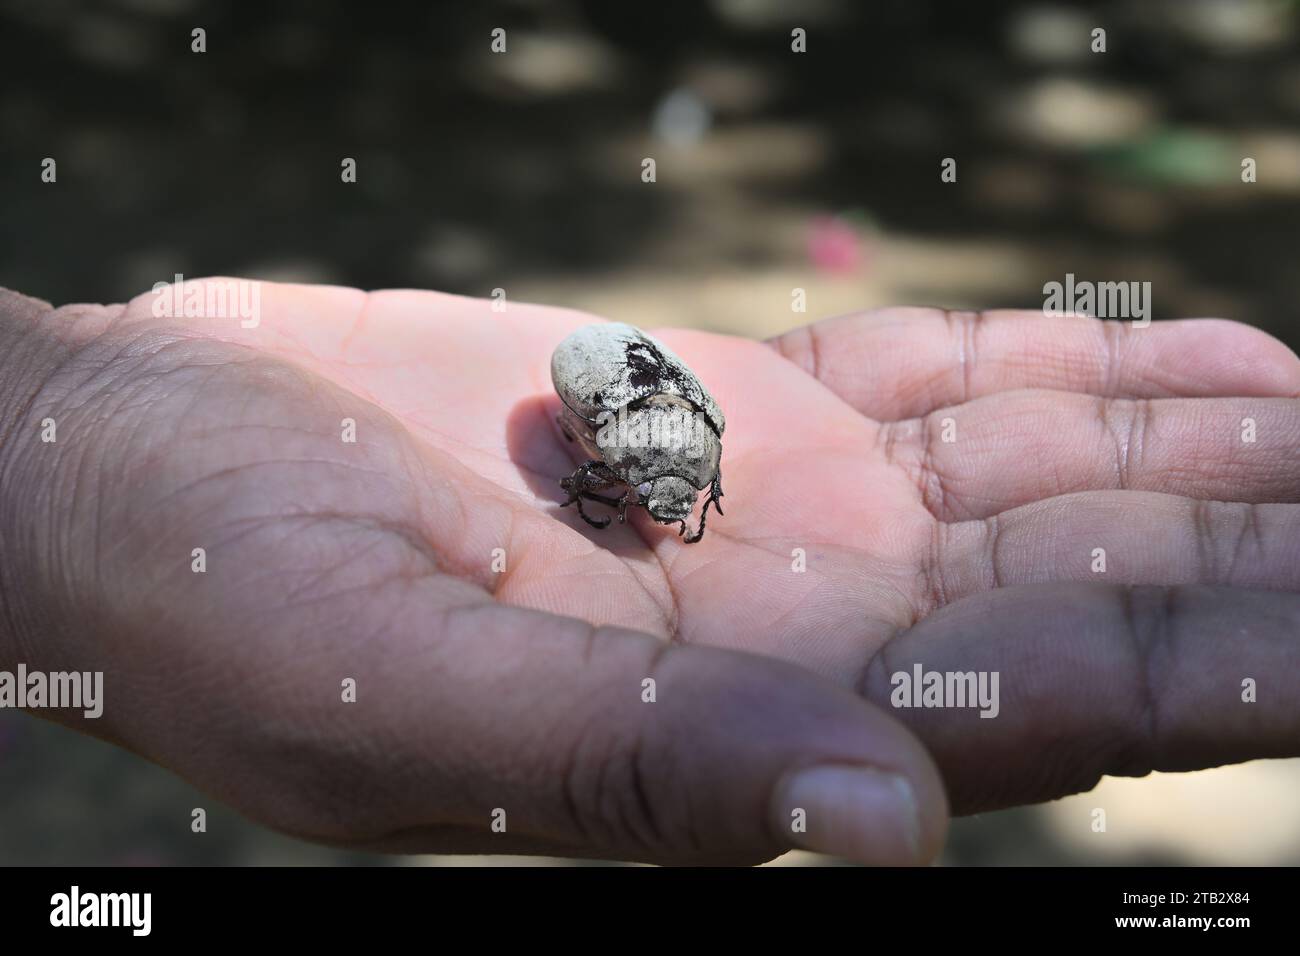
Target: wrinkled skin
522 688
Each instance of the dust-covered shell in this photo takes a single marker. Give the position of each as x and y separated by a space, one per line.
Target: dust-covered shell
601 368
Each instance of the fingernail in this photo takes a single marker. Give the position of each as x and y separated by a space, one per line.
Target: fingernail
865 815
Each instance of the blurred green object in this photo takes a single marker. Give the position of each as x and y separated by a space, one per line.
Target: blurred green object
1172 157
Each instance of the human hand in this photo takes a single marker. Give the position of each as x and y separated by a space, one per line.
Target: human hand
521 690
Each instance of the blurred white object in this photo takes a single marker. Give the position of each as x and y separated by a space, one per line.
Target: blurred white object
767 14
1240 815
1072 113
551 64
1231 25
1052 34
681 118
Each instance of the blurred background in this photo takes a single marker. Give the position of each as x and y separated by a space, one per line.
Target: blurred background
775 170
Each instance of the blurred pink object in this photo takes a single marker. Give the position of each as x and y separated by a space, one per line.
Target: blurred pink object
835 246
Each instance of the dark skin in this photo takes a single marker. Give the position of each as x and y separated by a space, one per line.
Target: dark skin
520 686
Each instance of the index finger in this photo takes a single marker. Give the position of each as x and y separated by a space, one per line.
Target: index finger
898 363
1097 679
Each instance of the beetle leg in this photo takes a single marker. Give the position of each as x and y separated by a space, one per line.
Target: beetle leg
586 478
714 494
581 484
699 532
603 499
578 479
594 522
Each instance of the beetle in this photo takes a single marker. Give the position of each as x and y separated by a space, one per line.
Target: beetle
646 423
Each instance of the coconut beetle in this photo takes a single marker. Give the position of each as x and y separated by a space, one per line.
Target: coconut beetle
644 420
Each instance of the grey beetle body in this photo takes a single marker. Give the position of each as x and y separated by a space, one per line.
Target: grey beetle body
644 420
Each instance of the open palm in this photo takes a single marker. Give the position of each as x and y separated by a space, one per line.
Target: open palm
966 492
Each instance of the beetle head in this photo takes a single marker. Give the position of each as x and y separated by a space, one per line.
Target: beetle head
668 499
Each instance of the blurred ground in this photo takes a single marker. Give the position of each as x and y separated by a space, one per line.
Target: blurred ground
775 171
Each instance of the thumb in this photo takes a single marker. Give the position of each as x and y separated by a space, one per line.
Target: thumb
608 742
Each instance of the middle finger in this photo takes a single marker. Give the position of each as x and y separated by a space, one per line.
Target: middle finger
987 456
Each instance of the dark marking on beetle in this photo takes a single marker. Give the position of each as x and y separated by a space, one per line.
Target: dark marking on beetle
647 367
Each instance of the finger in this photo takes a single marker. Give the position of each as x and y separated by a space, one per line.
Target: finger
1003 451
1097 679
903 363
732 751
601 742
1124 537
